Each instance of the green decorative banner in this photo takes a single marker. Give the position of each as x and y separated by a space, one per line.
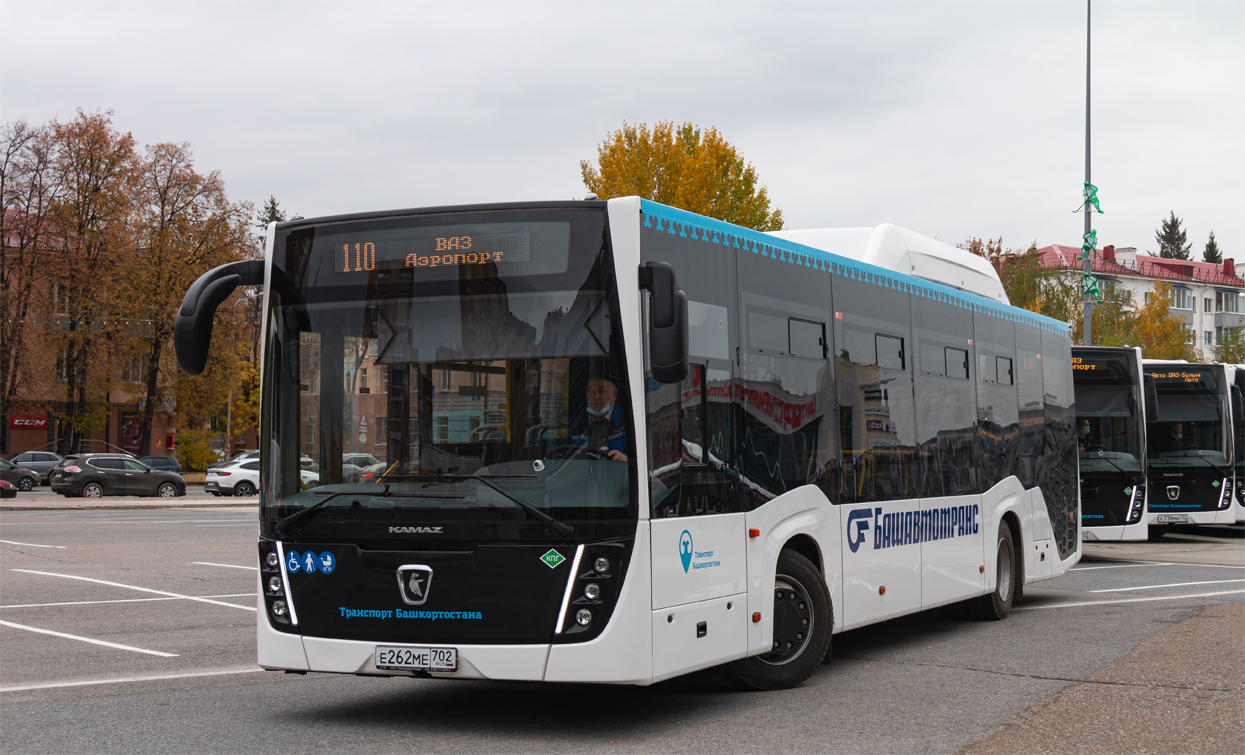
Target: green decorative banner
1091 287
1089 242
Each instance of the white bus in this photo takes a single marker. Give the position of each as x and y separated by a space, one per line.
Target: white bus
1190 452
1113 400
695 444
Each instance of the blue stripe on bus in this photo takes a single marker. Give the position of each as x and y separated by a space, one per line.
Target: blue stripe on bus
711 231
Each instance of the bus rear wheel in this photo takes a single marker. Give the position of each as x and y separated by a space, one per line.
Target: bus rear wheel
998 604
802 617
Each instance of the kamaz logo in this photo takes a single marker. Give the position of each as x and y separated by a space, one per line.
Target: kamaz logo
415 530
908 527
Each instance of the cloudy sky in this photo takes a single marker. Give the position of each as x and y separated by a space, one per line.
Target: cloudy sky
955 119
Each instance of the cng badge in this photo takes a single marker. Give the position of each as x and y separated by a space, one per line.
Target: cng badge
552 558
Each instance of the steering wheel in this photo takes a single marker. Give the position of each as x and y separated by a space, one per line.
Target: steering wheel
576 452
1096 447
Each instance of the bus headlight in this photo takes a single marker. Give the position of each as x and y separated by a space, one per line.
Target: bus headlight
583 617
271 559
274 585
592 591
601 565
278 608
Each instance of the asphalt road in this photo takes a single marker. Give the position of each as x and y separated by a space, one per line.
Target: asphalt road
155 652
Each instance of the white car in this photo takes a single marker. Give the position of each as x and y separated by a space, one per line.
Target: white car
241 478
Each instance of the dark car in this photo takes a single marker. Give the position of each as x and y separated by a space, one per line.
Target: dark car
19 477
163 463
96 475
7 490
40 462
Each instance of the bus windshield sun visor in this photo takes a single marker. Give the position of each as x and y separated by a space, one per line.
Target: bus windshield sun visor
192 330
1102 401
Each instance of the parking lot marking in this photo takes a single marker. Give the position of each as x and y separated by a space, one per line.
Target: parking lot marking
125 679
87 639
133 587
31 545
1128 600
1174 584
227 566
125 600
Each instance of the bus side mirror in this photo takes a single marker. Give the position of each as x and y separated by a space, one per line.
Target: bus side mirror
667 323
192 330
1151 391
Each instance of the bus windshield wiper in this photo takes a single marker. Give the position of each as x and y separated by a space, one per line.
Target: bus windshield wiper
560 528
284 525
1135 480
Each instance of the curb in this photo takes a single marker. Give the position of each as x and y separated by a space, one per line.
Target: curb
120 506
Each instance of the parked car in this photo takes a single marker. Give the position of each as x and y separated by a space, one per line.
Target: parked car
96 475
163 463
40 462
7 490
241 478
19 477
239 456
355 465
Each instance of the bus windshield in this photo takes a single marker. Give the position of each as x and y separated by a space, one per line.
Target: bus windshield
1192 428
448 368
1110 433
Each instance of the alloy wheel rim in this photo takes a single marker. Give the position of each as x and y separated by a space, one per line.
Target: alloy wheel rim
92 491
166 491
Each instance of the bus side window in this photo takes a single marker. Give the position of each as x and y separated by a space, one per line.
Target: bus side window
808 339
1003 370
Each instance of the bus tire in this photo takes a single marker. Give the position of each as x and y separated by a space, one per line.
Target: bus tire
803 619
998 604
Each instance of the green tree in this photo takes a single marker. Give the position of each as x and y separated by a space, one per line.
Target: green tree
1026 282
1171 239
271 212
682 167
1211 252
1231 348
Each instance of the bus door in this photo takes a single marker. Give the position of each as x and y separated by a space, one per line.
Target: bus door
698 538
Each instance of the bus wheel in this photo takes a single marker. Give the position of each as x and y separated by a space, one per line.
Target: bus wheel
1157 531
802 617
998 604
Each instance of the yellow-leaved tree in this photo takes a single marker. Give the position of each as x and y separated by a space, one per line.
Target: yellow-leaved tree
684 167
1160 334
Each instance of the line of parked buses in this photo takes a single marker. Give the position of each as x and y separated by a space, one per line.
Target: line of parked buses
1161 443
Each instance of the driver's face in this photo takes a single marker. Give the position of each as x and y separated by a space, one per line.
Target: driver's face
601 393
1177 429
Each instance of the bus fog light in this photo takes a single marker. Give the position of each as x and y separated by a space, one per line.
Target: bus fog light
274 585
278 608
271 559
592 591
583 617
602 565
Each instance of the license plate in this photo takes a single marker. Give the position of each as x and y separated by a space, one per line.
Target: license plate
417 658
1172 518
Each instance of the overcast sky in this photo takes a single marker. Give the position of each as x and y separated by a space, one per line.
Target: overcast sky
955 119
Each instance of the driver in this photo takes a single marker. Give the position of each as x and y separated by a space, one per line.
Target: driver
602 429
1085 434
1176 441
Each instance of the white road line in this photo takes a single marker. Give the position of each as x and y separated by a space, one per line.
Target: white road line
1159 563
1120 566
126 679
228 566
1127 600
87 639
1174 584
126 600
140 589
31 545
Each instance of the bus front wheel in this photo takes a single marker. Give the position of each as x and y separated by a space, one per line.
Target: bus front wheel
998 604
802 618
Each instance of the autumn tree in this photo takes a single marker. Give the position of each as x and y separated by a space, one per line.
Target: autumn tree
1027 283
1160 334
681 167
96 164
1211 253
185 225
1171 238
29 190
